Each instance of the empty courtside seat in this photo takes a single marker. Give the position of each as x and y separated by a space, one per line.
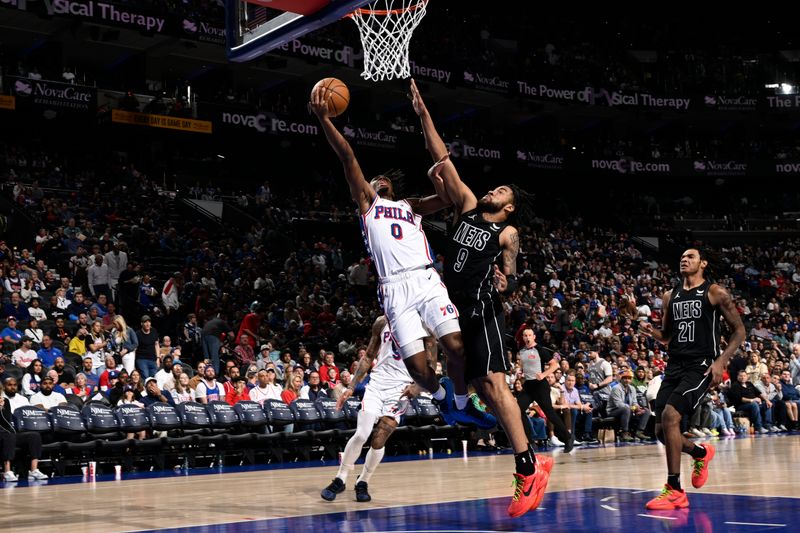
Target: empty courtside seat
351 409
30 418
331 417
99 418
251 414
306 413
193 415
132 418
222 415
163 417
426 410
279 414
66 419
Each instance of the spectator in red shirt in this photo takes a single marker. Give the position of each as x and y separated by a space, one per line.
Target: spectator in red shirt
291 391
250 326
324 373
239 391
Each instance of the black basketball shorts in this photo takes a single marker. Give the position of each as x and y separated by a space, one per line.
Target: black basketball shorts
483 329
684 385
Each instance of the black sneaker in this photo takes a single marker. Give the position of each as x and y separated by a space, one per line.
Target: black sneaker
362 495
569 445
329 493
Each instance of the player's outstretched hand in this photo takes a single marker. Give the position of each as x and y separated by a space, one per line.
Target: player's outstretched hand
411 391
416 99
343 398
646 328
500 280
318 104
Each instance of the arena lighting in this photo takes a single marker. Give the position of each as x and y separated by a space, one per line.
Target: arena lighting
785 88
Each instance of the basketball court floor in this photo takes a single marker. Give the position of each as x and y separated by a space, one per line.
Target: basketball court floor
753 486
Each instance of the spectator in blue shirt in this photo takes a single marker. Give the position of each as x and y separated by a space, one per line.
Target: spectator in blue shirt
48 353
153 394
11 335
790 399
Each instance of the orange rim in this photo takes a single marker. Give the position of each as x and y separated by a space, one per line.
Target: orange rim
386 12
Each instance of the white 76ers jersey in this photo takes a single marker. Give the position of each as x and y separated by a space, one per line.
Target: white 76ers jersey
389 369
394 237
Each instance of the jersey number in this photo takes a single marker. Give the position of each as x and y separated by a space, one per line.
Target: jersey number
447 309
460 259
397 231
685 331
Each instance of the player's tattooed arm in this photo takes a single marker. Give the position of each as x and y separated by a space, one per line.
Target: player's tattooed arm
720 296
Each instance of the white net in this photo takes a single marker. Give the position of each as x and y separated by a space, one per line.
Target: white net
386 27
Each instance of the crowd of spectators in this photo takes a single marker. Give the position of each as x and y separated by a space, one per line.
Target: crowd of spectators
116 298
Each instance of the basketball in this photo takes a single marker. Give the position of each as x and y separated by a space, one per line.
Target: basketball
338 95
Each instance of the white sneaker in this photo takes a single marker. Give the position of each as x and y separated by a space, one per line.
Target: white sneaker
707 432
555 442
762 430
37 475
730 432
10 476
697 433
782 428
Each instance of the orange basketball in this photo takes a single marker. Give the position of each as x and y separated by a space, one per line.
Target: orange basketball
337 94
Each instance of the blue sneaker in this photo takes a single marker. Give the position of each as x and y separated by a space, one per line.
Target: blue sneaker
329 493
469 416
447 405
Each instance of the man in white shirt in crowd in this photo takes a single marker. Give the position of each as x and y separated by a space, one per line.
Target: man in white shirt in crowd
46 398
266 388
25 354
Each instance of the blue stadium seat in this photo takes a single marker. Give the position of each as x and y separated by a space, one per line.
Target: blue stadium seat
31 418
279 414
132 418
251 414
66 420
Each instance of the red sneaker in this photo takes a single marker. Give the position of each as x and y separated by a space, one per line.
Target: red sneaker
700 467
668 499
545 461
528 492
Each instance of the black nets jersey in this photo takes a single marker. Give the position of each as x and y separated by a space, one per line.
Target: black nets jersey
473 247
695 323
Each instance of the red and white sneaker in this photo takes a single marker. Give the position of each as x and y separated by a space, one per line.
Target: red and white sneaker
668 499
528 492
700 467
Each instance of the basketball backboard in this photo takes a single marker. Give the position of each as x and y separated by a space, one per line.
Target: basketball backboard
254 27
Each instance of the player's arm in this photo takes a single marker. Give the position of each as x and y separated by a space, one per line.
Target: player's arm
360 190
664 334
505 279
717 295
443 168
365 363
429 204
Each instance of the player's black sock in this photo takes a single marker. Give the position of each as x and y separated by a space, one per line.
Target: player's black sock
526 464
698 452
674 481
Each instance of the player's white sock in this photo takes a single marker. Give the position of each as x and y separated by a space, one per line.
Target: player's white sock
349 457
461 401
372 461
439 394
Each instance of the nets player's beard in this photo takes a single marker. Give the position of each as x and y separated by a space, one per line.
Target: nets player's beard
485 205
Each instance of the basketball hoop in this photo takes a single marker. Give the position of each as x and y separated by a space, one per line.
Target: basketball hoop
386 27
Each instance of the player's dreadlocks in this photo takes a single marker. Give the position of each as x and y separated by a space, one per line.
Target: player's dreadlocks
523 207
714 262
